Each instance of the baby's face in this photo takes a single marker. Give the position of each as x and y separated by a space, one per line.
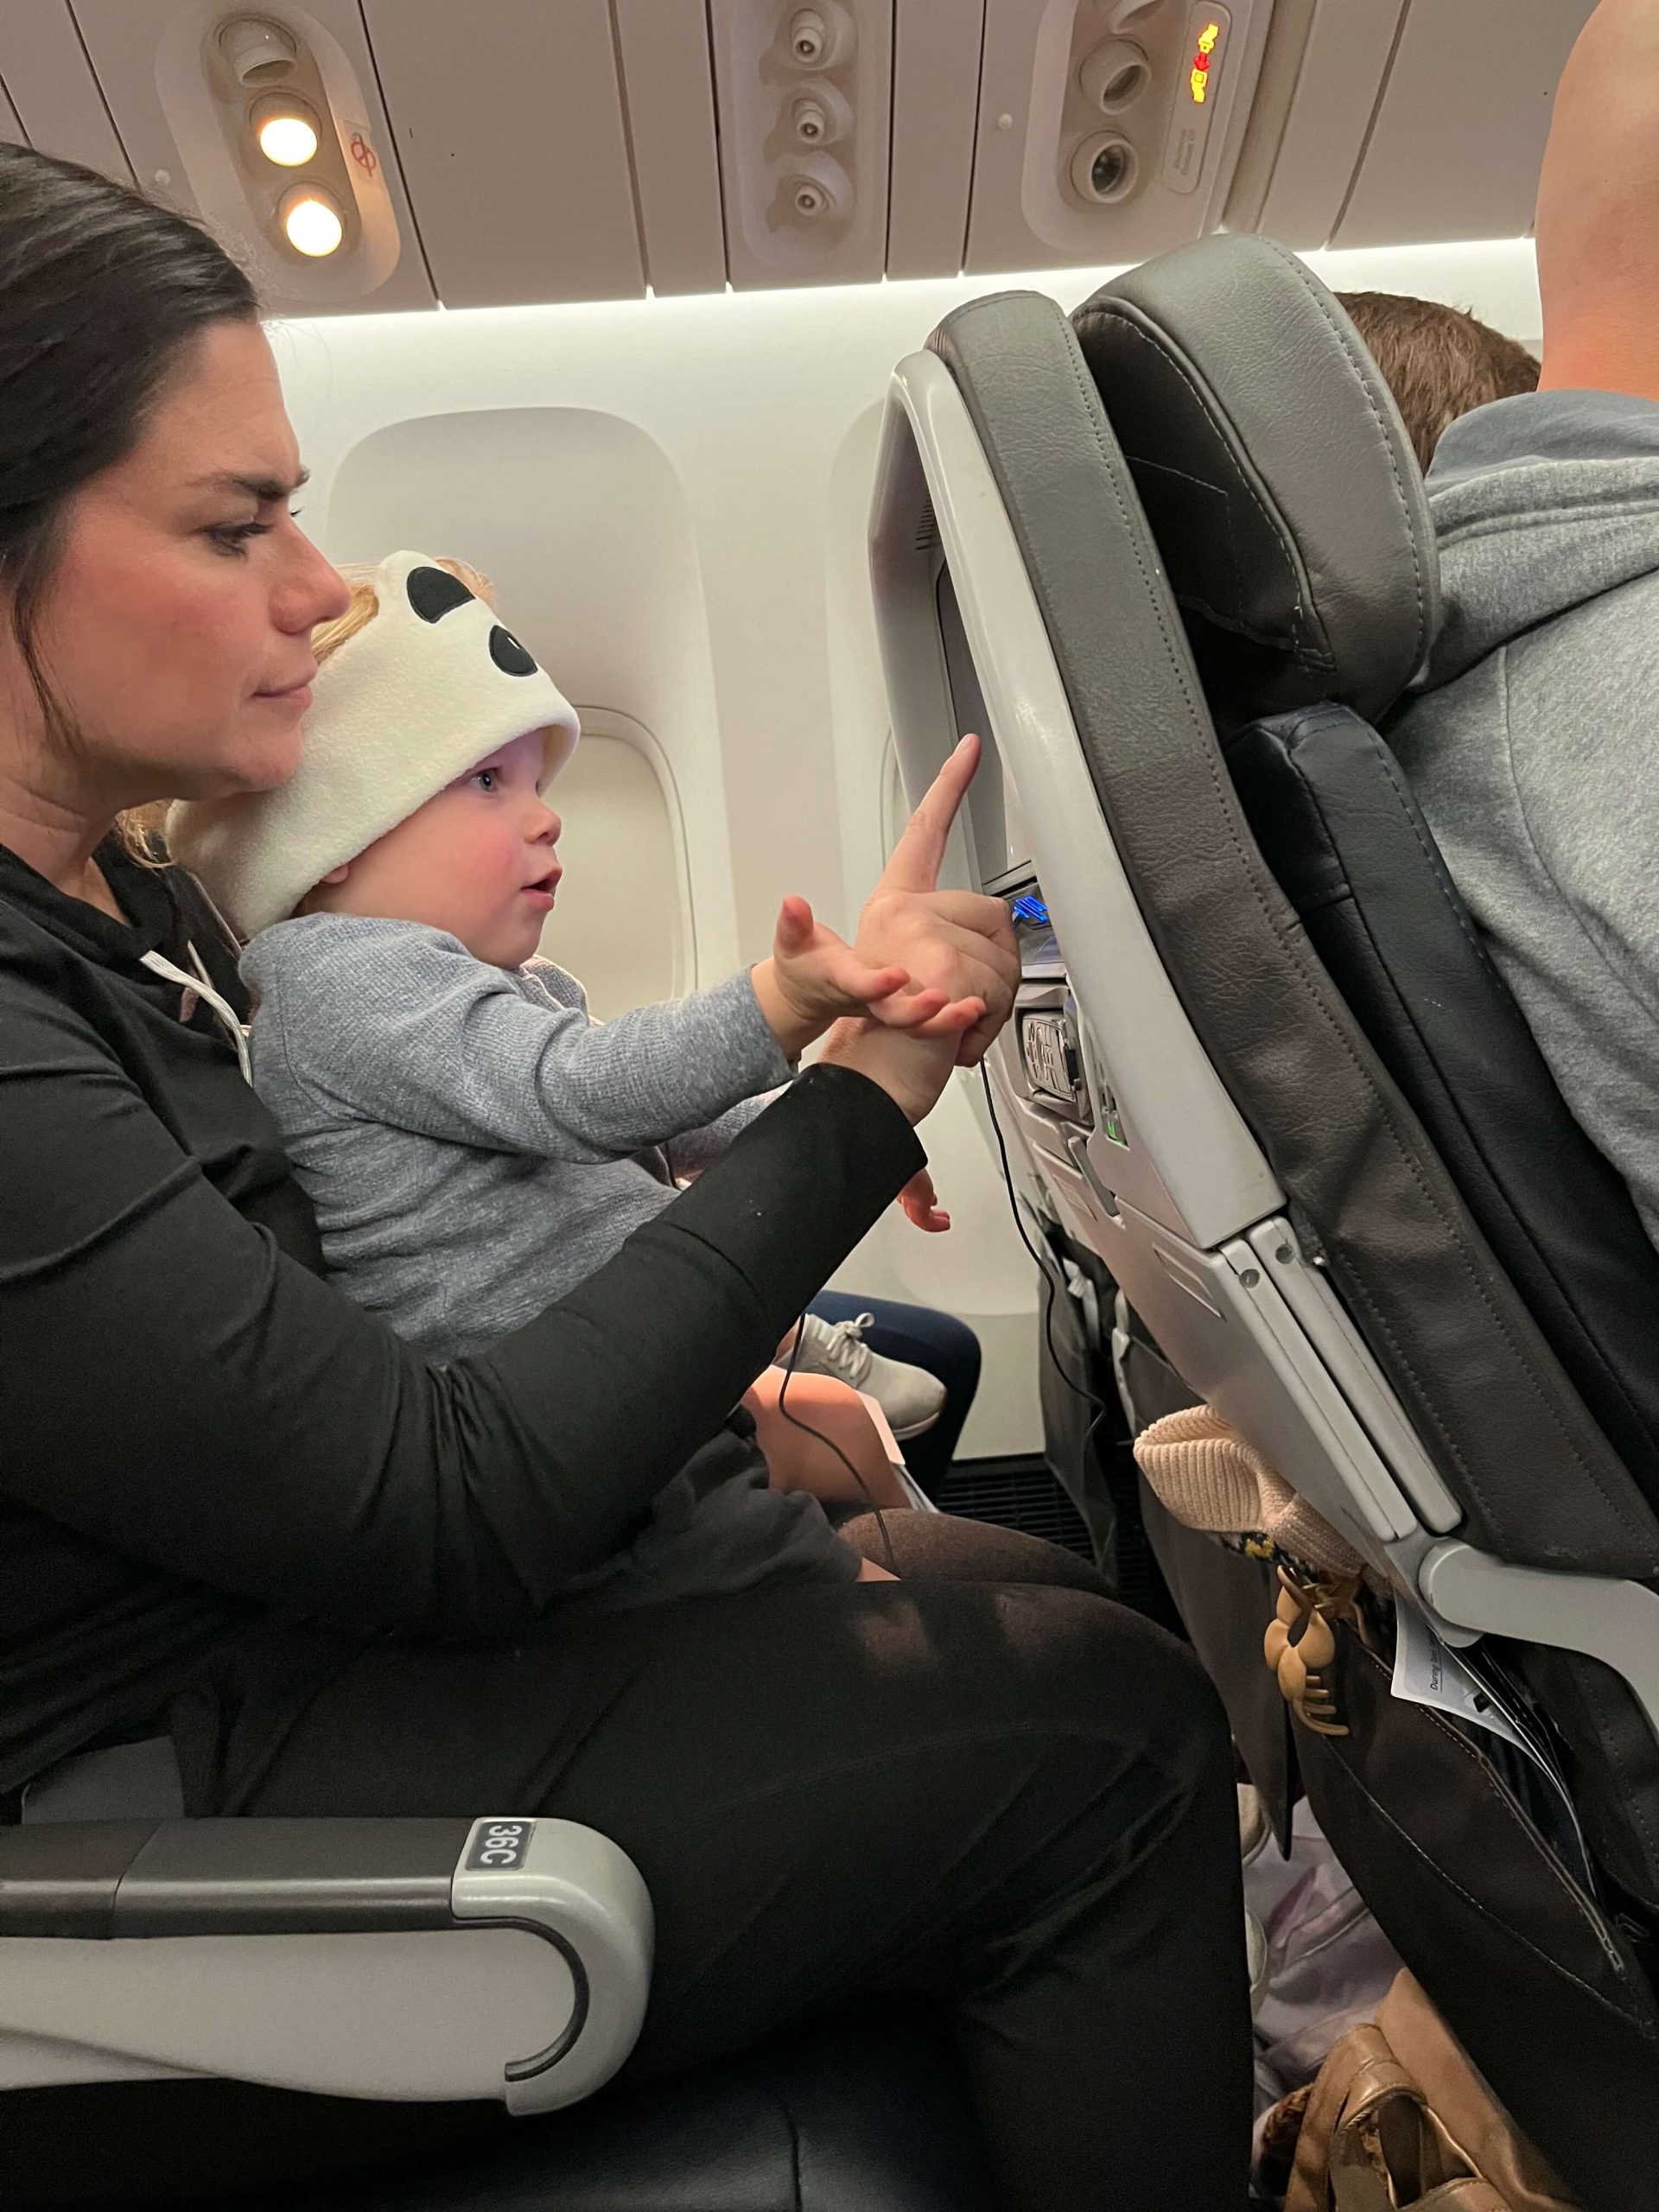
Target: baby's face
478 860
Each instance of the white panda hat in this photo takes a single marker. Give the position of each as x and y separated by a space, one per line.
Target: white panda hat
430 686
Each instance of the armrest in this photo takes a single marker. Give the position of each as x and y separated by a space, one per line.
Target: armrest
421 1959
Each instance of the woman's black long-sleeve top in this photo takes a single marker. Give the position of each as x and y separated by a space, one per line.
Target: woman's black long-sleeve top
199 1438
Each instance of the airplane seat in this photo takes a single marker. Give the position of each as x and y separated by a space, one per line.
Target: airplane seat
222 2011
1321 607
1338 824
1178 561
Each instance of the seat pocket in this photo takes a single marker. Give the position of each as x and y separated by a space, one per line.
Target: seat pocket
1536 1982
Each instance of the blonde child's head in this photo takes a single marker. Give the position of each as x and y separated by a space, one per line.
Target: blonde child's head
359 577
431 736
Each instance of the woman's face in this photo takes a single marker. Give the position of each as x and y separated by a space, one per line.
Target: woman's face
175 628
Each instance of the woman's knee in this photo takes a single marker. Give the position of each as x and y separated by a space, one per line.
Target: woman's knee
1096 1664
1075 1644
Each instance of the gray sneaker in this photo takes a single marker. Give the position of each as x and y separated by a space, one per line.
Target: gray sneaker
912 1399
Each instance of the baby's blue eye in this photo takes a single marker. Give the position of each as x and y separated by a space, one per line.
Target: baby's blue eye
487 778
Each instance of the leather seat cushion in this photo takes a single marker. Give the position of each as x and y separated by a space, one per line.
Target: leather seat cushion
867 2112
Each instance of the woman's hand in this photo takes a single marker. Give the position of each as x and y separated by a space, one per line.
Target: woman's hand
912 1070
955 940
959 942
919 1203
813 977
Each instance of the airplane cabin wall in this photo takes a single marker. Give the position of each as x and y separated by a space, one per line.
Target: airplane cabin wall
671 497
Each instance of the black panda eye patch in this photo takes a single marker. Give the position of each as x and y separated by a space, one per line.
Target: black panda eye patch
509 655
434 593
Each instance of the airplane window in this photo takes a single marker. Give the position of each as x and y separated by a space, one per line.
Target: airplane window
622 921
579 518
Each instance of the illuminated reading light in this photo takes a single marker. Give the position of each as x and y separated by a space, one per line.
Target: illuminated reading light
312 223
286 137
1029 908
1199 80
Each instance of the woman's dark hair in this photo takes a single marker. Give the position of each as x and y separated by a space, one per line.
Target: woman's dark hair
101 291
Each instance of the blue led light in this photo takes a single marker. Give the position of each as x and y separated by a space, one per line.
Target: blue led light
1028 908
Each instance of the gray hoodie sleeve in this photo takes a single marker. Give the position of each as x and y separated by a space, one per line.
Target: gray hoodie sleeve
695 1149
400 1023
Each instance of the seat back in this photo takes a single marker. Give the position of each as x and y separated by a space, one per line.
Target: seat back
1240 531
1338 825
1241 1088
1229 365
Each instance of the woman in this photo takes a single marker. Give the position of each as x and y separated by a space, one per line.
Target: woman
239 1511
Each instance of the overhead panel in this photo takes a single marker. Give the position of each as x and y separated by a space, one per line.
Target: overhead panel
507 117
52 90
936 57
668 89
1322 75
804 95
1458 137
189 83
1108 129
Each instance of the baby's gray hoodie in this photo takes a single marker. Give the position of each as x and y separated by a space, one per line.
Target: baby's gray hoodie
474 1144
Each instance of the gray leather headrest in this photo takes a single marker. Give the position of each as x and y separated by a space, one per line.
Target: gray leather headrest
1275 473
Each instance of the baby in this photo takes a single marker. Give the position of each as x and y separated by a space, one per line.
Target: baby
473 1144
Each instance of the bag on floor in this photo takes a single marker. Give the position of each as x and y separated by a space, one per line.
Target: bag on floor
1329 1964
1399 2118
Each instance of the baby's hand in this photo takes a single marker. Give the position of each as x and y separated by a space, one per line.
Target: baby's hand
814 979
920 1204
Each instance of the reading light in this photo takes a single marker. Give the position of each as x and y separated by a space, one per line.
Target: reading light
312 222
287 133
258 52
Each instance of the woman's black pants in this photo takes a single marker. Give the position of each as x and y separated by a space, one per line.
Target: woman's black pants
978 1782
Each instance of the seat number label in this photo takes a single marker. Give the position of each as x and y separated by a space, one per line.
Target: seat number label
499 1846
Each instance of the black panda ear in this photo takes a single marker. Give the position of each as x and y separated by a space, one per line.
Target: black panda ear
434 593
509 655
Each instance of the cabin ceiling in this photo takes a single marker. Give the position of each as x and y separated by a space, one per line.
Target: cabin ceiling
471 153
